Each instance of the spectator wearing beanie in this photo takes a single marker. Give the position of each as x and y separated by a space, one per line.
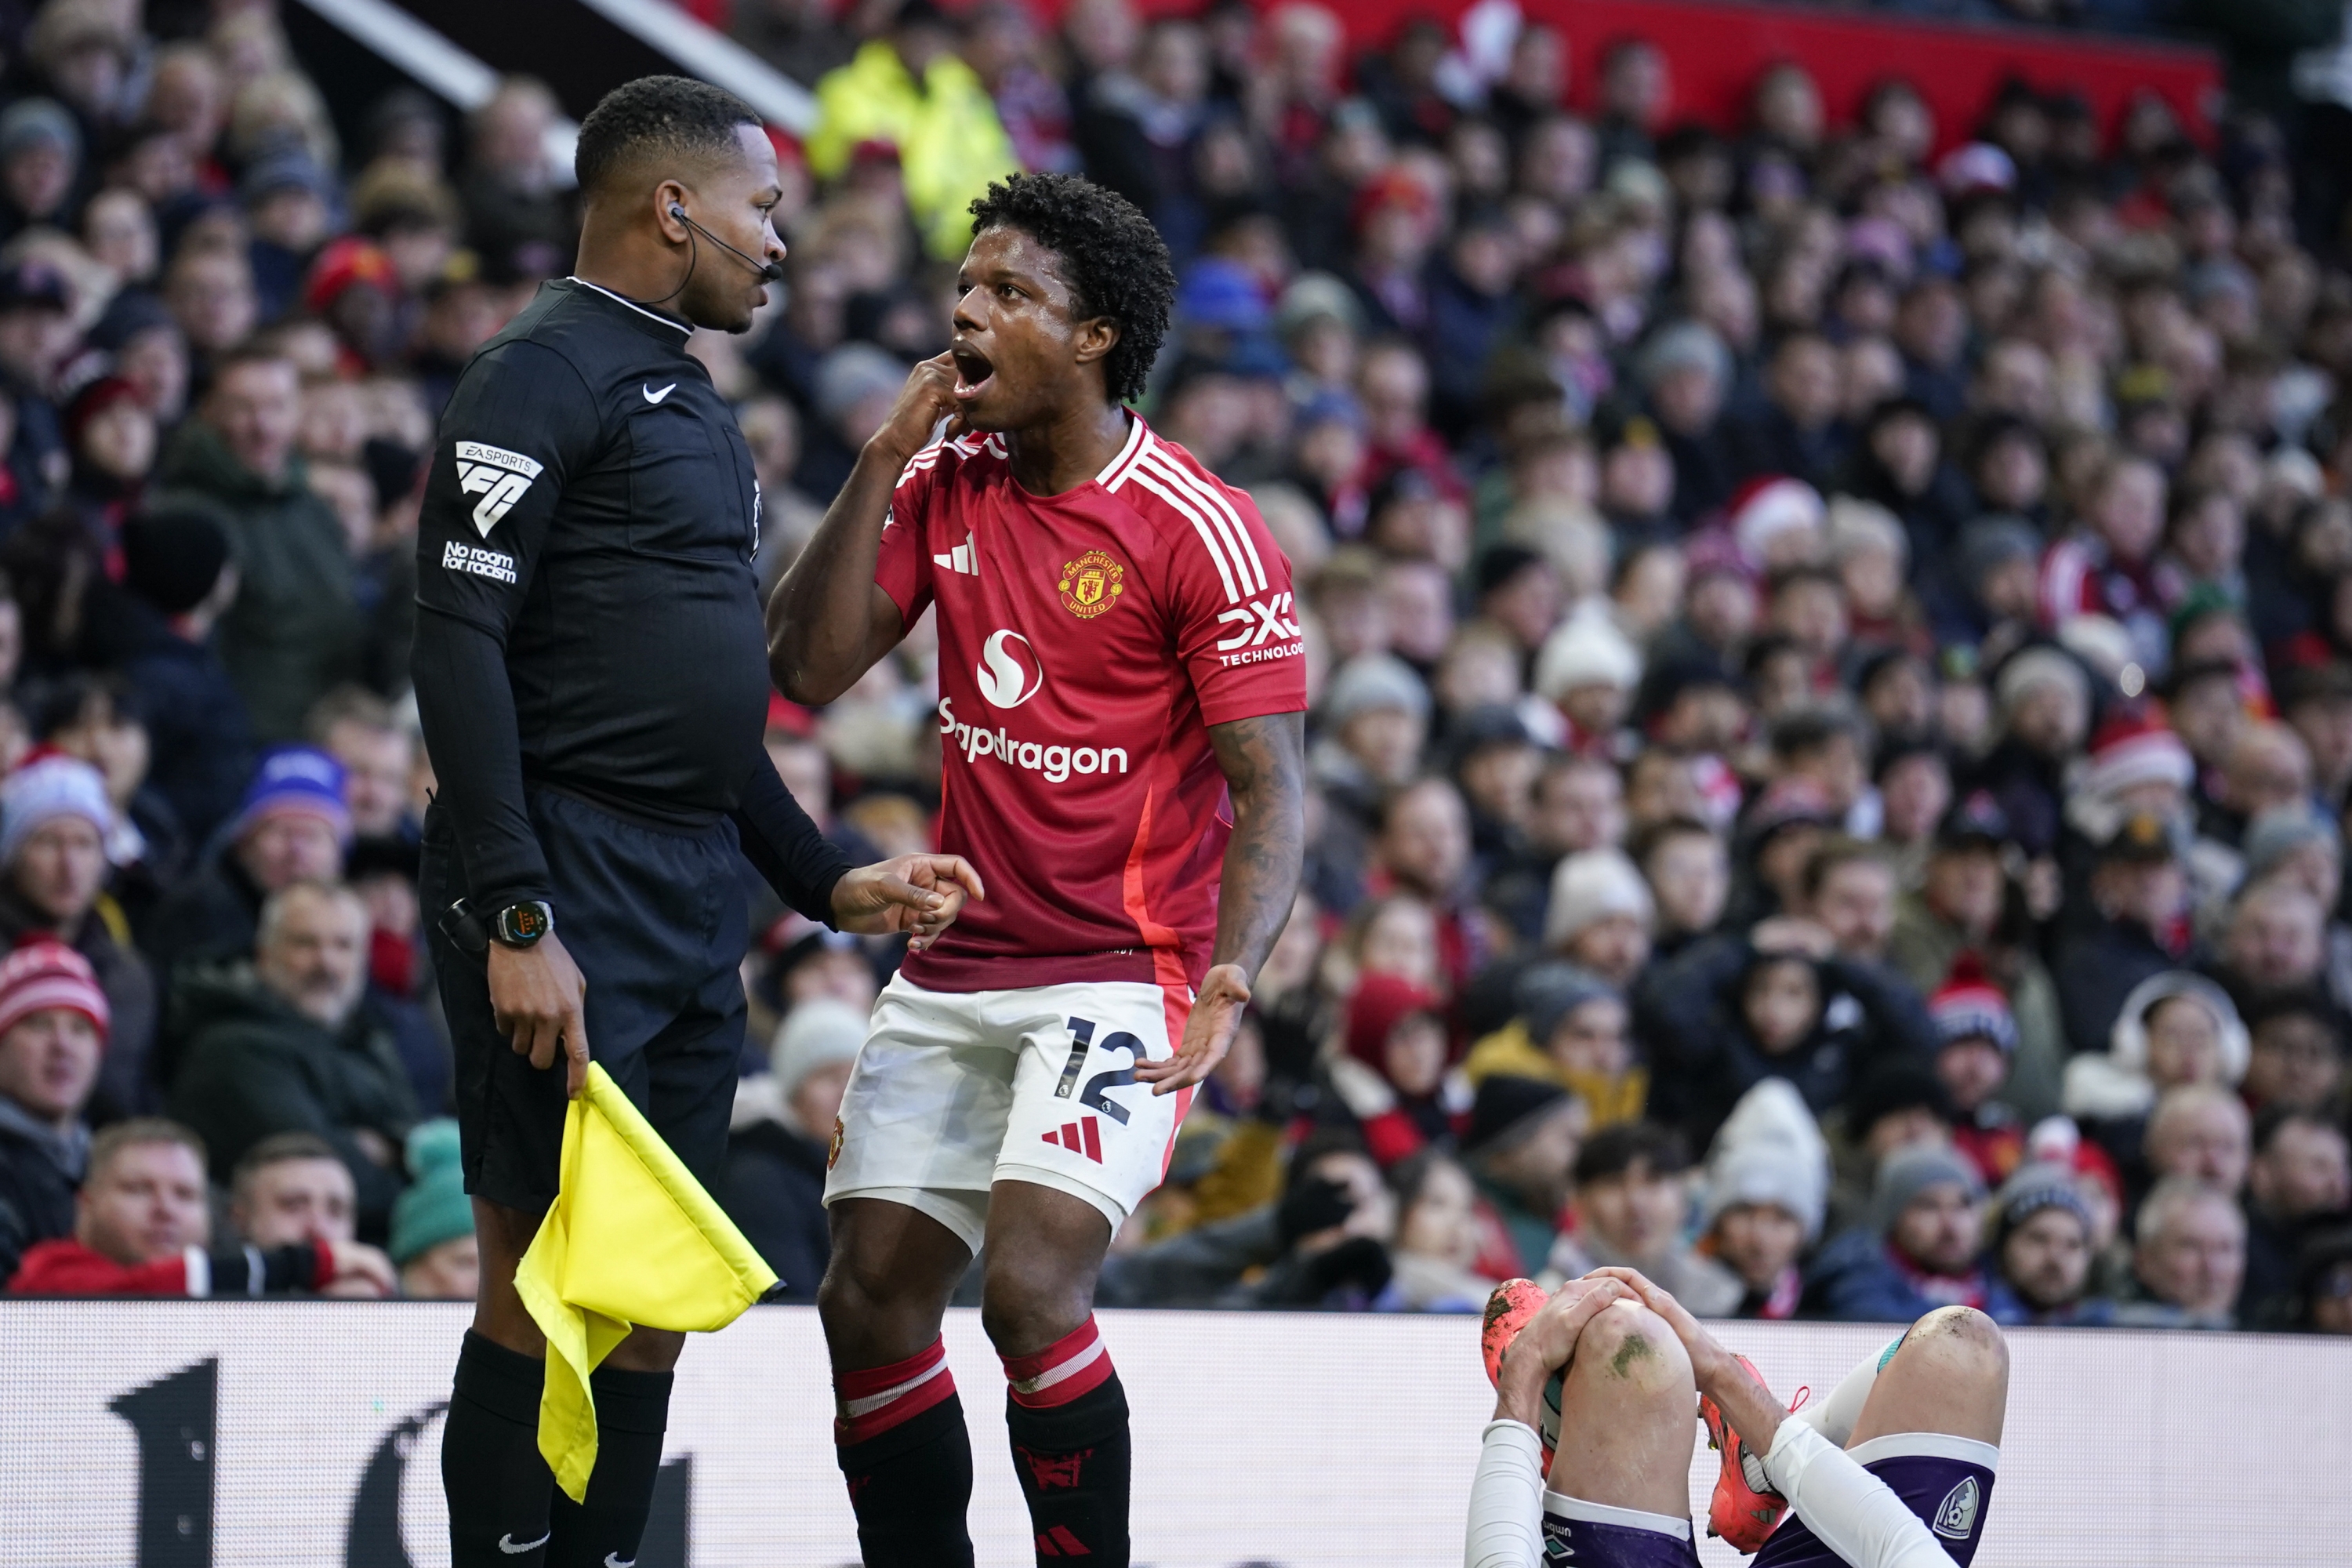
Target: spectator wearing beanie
2135 763
1685 372
54 822
783 1131
142 1226
1963 905
1391 1081
53 1024
2042 1247
1520 1149
1766 1195
1375 719
1759 1220
2296 844
1589 670
292 825
2043 698
1600 915
1569 1027
200 742
432 1241
1976 1038
1919 1251
112 435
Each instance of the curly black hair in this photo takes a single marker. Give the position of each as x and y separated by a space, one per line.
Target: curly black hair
1113 259
658 114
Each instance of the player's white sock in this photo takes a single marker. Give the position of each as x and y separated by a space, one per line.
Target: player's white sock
1853 1513
1507 1500
1834 1417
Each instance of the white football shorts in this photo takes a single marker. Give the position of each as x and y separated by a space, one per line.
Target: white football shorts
956 1090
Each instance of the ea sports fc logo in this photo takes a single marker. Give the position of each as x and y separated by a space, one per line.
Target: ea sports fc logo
1091 584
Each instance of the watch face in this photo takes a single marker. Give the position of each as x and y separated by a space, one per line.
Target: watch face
525 923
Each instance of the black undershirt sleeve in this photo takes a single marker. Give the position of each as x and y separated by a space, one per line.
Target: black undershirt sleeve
468 713
253 1271
519 425
783 846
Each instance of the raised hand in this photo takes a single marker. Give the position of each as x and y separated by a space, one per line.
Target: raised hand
918 893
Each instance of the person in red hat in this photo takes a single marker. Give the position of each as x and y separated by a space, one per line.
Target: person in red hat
1976 1038
53 1020
352 285
1392 1079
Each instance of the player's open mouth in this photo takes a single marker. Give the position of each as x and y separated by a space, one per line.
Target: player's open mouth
973 372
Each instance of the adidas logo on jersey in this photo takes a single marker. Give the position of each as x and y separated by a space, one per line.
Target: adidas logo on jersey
961 559
1083 1137
1955 1516
497 476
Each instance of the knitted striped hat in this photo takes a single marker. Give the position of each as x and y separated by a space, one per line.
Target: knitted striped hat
44 974
2135 746
1968 1004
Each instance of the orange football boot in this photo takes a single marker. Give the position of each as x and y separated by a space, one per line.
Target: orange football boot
1745 1508
1513 1303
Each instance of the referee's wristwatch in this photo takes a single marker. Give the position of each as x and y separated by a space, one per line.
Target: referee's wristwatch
522 924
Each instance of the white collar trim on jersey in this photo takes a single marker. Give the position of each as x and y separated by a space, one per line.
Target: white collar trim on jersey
1134 439
632 304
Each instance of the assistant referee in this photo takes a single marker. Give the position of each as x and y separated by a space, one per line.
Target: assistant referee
591 670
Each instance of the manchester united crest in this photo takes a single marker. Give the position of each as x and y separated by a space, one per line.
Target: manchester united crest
1091 584
832 1151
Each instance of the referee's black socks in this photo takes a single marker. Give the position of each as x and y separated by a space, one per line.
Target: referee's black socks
602 1529
504 1508
498 1486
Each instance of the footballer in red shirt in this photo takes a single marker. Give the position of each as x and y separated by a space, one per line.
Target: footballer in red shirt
1120 717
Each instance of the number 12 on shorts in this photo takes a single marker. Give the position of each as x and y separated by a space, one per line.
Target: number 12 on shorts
1082 1033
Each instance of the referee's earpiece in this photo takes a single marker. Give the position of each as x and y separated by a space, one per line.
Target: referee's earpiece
769 271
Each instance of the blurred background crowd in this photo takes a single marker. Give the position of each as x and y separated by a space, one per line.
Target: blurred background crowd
1829 645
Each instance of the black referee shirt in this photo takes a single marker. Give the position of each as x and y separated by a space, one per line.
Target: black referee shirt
591 620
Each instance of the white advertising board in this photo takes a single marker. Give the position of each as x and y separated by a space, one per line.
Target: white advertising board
177 1434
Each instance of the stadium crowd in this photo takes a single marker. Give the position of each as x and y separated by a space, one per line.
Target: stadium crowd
1831 653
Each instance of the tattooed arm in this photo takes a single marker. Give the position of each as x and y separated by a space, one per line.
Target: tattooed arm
1265 761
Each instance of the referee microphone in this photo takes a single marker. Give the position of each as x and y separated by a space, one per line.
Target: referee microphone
769 271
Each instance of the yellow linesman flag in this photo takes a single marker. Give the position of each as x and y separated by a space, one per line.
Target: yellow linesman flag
631 1239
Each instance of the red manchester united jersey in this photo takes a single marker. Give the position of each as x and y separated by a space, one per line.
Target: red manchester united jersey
1086 642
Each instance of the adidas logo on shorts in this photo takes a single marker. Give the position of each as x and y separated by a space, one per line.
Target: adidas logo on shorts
1080 1137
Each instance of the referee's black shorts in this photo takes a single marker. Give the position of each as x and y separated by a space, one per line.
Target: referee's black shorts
656 920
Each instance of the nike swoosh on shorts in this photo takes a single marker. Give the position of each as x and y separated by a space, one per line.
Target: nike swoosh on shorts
506 1544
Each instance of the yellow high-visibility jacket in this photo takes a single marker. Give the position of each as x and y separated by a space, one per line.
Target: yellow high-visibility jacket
951 144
